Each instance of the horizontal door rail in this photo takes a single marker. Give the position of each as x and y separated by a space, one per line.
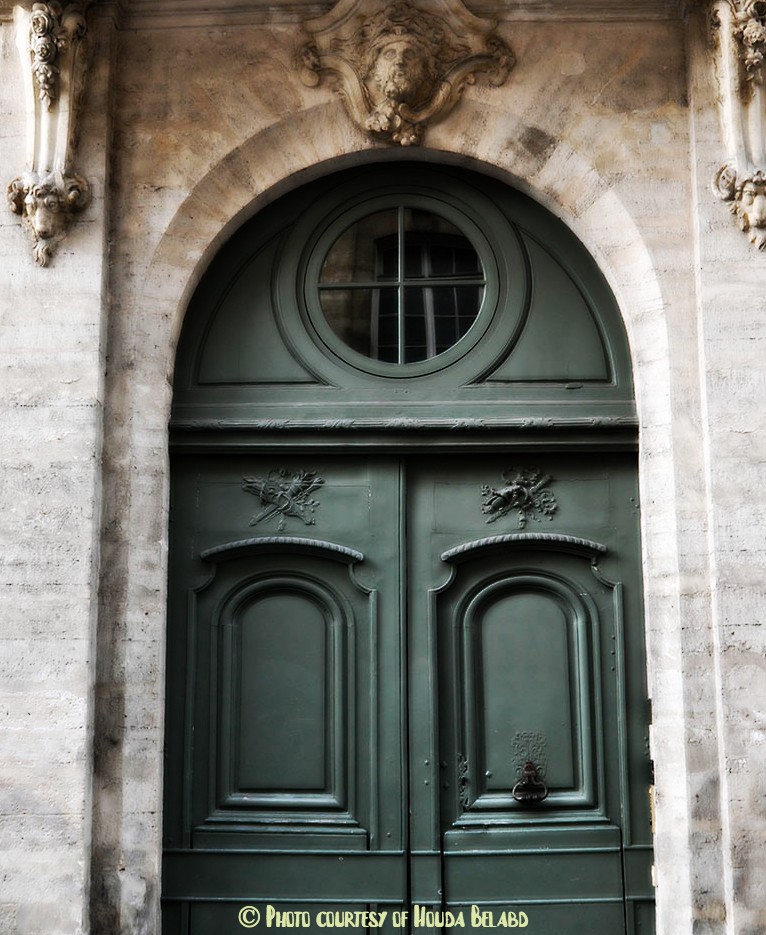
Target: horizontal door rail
298 877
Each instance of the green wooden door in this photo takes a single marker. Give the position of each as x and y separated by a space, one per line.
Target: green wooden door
357 687
287 680
405 641
519 641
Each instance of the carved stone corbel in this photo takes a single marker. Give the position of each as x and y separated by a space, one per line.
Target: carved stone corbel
49 37
399 67
740 27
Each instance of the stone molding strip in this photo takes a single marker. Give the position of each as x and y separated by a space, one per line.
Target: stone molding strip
172 14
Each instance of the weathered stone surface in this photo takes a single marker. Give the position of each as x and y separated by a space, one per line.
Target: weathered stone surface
611 125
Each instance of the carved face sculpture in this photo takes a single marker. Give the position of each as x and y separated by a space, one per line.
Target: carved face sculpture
43 208
402 70
751 211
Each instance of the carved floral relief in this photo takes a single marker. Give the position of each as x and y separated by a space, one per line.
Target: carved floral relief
399 67
49 193
740 28
523 492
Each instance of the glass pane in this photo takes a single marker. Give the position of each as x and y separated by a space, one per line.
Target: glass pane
435 248
365 252
364 319
436 317
417 345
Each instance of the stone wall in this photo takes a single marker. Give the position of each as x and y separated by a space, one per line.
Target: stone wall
613 126
52 326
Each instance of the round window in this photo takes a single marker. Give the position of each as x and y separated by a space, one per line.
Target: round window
400 286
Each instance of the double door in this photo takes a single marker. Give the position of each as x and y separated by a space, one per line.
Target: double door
406 684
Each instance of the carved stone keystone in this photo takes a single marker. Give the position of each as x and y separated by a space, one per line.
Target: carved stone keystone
399 67
740 27
49 37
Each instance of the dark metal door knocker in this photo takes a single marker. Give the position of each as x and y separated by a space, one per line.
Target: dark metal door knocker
530 789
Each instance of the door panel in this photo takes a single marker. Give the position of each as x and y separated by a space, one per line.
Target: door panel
345 628
527 629
285 782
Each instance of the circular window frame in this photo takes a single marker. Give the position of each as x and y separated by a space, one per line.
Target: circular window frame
322 242
321 229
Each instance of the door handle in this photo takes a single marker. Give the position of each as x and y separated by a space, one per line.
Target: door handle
530 789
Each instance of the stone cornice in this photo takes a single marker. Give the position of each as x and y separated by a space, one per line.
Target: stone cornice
162 14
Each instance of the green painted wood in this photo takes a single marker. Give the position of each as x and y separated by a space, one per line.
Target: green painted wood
561 338
321 877
259 354
282 691
370 628
528 632
571 875
310 918
548 333
286 681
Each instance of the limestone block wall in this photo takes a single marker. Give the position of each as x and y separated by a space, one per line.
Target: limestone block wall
732 332
52 379
610 124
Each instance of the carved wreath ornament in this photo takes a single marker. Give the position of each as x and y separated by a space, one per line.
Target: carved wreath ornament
284 494
399 67
523 492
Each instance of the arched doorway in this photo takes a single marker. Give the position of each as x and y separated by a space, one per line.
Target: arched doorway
405 647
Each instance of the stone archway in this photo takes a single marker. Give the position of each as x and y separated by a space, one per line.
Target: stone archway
595 211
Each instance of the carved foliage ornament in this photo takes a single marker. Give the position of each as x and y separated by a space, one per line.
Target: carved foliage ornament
399 67
749 27
49 38
740 27
523 492
463 782
284 494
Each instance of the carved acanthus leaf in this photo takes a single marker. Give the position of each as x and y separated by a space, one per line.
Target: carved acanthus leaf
399 67
463 782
